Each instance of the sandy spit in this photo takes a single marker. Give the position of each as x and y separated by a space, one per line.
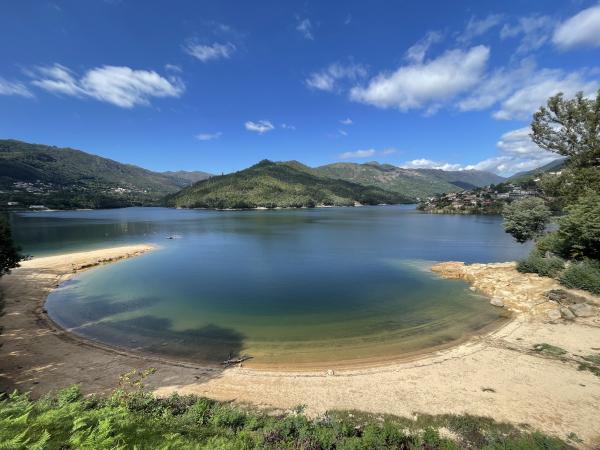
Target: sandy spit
496 375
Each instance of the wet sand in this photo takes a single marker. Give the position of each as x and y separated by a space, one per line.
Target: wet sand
496 374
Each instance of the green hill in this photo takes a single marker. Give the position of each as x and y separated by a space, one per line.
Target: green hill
279 184
410 182
553 166
33 174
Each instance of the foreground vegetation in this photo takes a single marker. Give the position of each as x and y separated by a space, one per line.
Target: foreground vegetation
279 184
135 419
571 199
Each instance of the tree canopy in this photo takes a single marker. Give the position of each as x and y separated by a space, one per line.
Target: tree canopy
9 253
570 128
526 219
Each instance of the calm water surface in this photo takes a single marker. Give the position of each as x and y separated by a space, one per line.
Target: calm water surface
289 287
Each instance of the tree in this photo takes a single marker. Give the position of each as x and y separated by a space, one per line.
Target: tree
570 128
526 219
9 253
580 228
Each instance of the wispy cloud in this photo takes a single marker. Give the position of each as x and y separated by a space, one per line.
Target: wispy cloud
346 121
14 88
358 154
305 27
260 126
287 126
209 136
534 32
581 30
330 78
424 163
416 53
367 153
534 92
118 85
209 52
479 26
428 84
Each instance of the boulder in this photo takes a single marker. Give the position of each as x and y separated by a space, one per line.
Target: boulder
497 302
582 310
566 313
564 297
554 314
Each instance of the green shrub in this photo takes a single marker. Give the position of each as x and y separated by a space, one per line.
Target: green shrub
554 243
67 420
536 262
580 228
583 275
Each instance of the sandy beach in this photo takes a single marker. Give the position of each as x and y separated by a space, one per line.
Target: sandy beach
498 374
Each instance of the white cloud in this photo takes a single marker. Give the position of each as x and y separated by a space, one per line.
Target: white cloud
477 27
425 84
534 93
287 126
260 127
346 121
118 85
343 132
535 31
517 153
209 52
305 28
329 79
424 163
497 86
173 68
416 53
208 136
581 30
358 154
14 88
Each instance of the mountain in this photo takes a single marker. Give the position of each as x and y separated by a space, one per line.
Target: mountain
183 178
552 166
409 182
279 184
34 174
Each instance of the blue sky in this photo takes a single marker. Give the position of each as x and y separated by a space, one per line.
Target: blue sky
218 86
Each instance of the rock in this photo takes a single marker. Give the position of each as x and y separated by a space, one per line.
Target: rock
497 302
563 297
566 313
554 315
582 310
330 373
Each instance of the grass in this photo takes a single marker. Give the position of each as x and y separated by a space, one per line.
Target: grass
135 419
549 350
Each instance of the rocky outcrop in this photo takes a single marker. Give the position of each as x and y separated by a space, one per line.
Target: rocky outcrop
528 295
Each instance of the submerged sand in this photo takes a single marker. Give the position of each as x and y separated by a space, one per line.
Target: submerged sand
497 375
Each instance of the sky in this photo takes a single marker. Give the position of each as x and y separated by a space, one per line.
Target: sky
218 86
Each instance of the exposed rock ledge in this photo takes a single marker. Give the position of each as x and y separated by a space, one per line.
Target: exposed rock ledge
529 295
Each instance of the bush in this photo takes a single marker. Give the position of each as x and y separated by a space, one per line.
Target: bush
580 228
526 219
546 266
583 275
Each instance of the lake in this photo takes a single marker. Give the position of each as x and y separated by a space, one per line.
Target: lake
308 287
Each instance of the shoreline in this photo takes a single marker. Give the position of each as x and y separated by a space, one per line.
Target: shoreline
495 374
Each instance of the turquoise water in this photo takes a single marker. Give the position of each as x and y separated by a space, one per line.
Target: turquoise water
288 287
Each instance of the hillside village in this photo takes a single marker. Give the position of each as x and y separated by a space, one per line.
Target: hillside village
486 200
